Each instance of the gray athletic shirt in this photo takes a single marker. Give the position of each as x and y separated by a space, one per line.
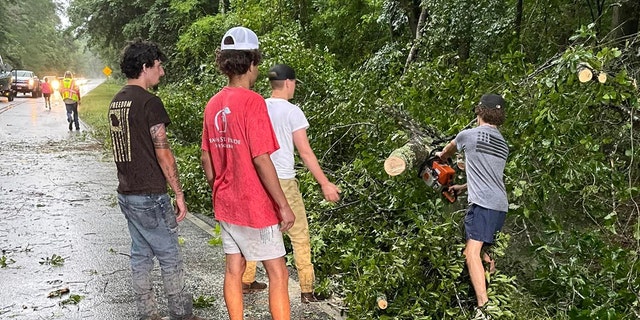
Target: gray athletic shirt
485 157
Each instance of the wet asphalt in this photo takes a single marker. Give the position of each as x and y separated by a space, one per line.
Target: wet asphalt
61 229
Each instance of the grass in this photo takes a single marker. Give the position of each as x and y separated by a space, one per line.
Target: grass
94 108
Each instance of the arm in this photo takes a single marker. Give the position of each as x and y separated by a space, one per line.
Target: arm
207 166
169 168
76 88
449 150
267 173
301 141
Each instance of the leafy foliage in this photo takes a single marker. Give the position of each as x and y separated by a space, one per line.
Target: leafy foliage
55 261
203 302
5 262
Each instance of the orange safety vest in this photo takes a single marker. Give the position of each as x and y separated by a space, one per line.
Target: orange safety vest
70 90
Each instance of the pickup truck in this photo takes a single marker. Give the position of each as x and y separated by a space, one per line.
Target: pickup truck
6 79
26 81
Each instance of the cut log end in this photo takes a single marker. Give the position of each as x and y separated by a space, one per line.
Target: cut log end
585 74
394 166
602 77
382 302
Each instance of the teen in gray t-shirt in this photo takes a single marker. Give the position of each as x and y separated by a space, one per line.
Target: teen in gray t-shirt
486 154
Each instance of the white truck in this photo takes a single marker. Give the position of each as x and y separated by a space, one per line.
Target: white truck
6 81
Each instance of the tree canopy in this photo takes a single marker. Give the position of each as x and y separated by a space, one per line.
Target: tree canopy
33 38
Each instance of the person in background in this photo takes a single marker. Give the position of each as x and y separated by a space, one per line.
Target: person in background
290 126
486 155
237 139
70 93
46 92
145 164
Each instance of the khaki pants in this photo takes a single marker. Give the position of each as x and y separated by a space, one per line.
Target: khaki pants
299 235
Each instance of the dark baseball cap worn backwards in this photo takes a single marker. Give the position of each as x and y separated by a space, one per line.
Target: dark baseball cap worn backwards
282 72
492 101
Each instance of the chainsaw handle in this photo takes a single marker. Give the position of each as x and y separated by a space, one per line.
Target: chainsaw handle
452 195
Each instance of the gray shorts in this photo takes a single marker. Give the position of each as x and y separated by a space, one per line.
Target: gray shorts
254 244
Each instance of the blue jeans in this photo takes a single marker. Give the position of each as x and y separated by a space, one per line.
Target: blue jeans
154 232
72 109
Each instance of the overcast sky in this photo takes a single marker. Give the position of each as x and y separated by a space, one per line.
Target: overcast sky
62 13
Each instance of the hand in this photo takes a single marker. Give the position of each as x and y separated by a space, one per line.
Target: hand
287 218
457 188
439 154
330 192
180 208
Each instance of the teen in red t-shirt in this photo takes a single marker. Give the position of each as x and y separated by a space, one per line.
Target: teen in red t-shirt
237 139
237 129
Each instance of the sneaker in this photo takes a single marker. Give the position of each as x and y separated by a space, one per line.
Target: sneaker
308 297
484 312
480 315
254 287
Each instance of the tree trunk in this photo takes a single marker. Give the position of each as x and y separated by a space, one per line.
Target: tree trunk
303 15
416 41
518 21
412 9
408 156
226 6
211 7
414 152
625 19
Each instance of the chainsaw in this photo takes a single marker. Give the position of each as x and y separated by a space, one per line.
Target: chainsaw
439 175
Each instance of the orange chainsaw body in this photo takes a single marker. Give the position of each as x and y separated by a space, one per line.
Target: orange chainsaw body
439 175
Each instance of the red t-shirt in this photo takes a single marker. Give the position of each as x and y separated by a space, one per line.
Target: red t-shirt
236 129
46 88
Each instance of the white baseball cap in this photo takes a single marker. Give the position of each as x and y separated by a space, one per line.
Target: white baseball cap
239 38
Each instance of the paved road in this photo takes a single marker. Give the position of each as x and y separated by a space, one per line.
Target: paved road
57 199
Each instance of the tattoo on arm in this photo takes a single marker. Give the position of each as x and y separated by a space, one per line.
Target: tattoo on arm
159 136
169 166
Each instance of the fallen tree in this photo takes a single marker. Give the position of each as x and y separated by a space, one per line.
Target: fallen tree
407 156
416 150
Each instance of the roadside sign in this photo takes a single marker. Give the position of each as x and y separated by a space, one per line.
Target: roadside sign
106 71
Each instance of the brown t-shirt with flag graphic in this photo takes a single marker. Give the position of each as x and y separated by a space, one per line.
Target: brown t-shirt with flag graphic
132 112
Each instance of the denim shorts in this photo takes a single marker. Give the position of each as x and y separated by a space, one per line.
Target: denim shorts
481 224
254 244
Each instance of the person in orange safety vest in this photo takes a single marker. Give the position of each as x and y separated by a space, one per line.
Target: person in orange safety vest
70 93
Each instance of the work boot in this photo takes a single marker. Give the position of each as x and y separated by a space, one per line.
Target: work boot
308 297
70 126
254 287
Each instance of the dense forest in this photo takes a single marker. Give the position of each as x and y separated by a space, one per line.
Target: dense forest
33 37
569 248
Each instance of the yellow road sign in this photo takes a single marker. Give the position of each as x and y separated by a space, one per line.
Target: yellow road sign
106 71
